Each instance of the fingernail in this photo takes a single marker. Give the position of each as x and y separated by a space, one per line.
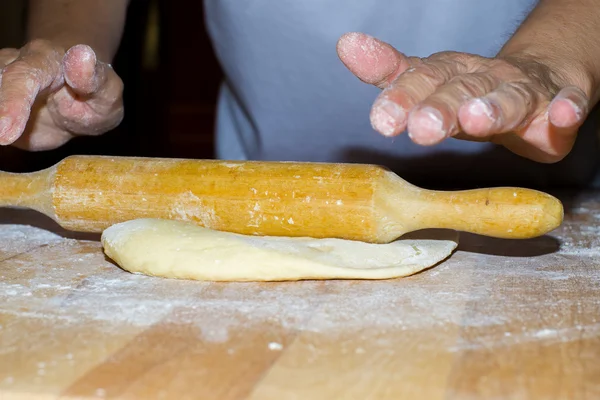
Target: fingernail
426 126
578 111
387 117
558 117
479 106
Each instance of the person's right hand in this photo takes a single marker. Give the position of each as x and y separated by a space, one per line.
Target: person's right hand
48 96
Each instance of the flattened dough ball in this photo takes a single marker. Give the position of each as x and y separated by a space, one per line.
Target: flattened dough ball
174 249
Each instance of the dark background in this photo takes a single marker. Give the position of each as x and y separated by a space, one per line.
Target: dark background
171 81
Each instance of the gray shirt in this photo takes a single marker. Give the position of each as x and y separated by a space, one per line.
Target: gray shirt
287 96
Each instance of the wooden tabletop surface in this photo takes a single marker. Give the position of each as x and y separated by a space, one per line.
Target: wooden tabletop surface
499 320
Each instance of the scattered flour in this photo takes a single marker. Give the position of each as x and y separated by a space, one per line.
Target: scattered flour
70 284
16 239
580 234
72 289
274 346
546 333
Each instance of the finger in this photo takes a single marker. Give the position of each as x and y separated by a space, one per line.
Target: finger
550 135
36 69
553 132
389 114
41 133
540 141
100 99
83 72
371 60
7 56
507 108
569 108
93 114
92 102
436 117
85 117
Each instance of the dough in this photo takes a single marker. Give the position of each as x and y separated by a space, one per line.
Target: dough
174 249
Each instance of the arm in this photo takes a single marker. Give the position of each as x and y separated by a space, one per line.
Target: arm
97 23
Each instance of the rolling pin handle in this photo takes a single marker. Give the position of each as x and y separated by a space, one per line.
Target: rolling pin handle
29 190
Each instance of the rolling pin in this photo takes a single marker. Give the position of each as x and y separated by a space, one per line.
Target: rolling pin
350 201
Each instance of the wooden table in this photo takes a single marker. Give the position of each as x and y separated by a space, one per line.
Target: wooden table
500 319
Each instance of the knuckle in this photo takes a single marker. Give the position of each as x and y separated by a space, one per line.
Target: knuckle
118 82
432 71
455 61
43 50
505 70
472 85
443 55
520 90
426 74
20 68
112 89
414 61
453 56
39 45
120 89
16 67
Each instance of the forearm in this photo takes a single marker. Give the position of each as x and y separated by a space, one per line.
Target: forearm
565 36
97 23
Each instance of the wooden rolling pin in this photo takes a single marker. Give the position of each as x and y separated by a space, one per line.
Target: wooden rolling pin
350 201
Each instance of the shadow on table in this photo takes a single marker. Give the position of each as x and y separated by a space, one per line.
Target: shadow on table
472 243
468 242
508 247
19 216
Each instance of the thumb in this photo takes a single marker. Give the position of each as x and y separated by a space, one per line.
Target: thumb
82 70
371 60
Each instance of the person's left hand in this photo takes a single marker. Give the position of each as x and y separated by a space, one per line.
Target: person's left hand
521 104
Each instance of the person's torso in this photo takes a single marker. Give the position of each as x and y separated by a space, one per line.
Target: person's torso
287 96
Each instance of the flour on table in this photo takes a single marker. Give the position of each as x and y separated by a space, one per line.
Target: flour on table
15 239
580 233
176 249
67 287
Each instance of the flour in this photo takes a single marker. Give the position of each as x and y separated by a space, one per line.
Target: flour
274 346
20 232
581 240
547 336
15 239
112 298
70 284
189 207
546 333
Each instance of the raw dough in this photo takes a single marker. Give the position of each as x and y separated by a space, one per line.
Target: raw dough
174 249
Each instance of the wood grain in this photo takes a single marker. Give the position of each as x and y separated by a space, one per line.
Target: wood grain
348 201
500 319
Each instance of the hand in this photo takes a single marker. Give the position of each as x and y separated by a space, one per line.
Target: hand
521 104
48 96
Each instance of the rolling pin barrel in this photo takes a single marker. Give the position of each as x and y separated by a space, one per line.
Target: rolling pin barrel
350 201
